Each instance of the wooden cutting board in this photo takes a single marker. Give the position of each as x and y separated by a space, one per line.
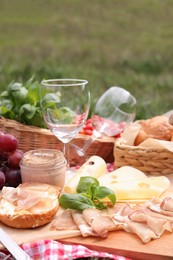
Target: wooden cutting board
117 242
129 245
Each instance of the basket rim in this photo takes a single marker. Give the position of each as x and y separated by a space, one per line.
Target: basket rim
139 148
11 123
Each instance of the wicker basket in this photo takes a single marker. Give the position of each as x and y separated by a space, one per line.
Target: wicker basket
151 161
31 137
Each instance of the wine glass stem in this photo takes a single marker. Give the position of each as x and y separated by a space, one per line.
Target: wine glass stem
66 153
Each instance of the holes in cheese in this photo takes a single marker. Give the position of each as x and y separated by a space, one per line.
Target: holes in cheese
143 185
129 183
95 166
125 174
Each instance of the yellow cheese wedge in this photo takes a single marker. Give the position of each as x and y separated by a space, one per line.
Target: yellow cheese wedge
125 173
131 184
95 167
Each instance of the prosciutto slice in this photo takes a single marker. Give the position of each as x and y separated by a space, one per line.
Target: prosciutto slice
141 230
79 220
30 200
13 194
167 204
158 225
101 224
64 221
157 208
156 215
142 223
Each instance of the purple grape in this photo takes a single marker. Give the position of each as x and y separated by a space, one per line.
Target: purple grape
13 177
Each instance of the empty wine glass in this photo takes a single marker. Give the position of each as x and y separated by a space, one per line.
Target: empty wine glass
113 111
65 106
118 107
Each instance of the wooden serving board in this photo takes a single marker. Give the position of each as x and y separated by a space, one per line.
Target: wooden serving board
117 242
129 245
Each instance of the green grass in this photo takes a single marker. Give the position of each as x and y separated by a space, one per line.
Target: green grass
115 42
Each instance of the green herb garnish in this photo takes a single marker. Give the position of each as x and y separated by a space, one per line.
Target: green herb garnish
21 102
89 195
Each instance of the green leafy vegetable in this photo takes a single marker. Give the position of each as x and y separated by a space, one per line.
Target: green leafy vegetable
75 201
66 115
89 194
85 184
21 102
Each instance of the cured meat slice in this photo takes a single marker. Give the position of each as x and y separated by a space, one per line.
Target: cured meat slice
13 194
64 221
167 204
141 223
158 225
101 224
141 230
156 215
84 227
158 209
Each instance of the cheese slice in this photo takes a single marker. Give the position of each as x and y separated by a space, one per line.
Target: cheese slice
95 166
125 174
129 183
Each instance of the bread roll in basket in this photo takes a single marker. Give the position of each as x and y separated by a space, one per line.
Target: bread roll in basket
158 127
147 145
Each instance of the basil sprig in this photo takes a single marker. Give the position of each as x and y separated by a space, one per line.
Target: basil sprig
89 195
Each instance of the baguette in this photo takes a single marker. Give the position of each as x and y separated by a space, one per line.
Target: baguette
29 205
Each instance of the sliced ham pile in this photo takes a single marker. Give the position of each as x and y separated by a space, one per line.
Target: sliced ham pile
148 221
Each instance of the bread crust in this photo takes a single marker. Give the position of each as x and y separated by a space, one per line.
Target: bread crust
28 220
157 127
25 218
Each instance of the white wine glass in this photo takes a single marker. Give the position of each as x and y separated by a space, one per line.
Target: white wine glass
114 110
65 105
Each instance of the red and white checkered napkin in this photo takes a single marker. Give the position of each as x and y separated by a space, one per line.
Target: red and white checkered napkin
53 250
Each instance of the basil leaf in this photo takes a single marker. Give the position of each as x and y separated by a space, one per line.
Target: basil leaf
100 205
30 114
52 98
6 103
75 201
84 185
7 113
19 93
33 96
66 115
101 192
13 87
27 111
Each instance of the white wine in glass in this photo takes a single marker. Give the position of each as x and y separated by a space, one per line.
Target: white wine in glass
65 105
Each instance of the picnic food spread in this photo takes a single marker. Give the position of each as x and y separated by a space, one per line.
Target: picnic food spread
95 201
38 203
